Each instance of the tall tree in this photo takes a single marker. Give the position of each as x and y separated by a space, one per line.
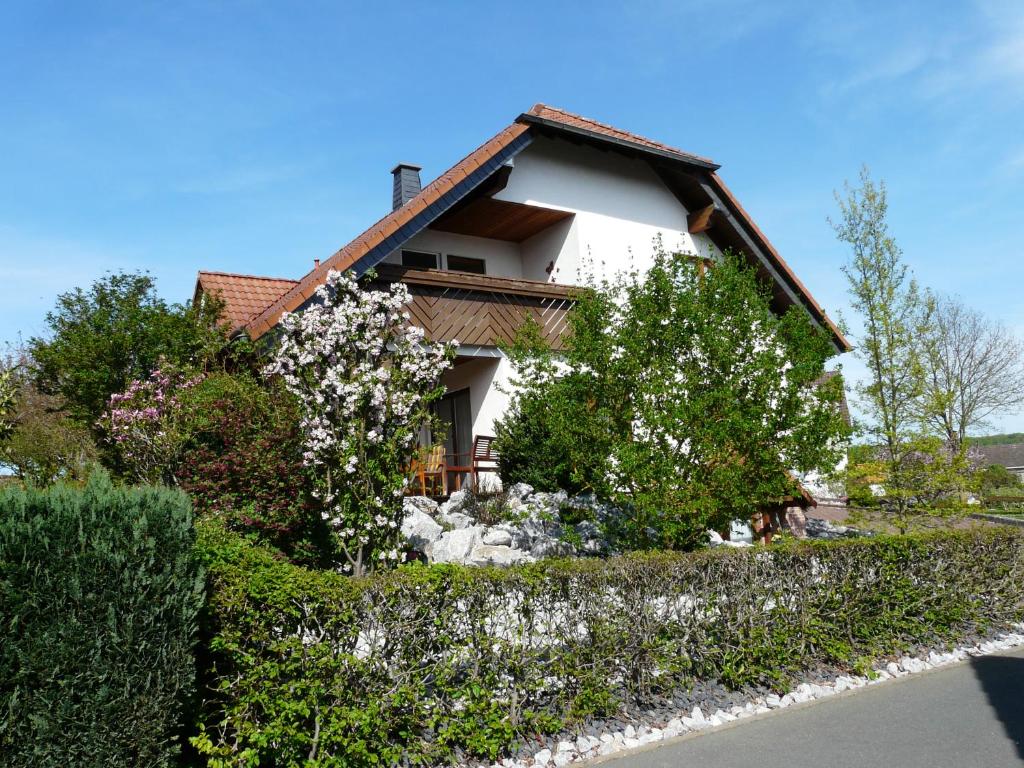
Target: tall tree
680 395
974 370
915 470
115 332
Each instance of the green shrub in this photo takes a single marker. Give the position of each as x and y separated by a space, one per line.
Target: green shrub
677 392
100 591
242 462
432 664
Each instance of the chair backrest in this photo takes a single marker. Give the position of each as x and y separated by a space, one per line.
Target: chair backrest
483 450
435 459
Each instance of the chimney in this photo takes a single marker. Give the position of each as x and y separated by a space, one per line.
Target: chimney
406 184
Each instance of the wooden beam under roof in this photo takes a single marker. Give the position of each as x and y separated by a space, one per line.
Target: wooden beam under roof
700 220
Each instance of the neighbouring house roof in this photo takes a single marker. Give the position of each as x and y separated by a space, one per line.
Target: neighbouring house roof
244 296
390 232
1004 455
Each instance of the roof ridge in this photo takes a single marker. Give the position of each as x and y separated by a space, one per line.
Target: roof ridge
539 109
247 276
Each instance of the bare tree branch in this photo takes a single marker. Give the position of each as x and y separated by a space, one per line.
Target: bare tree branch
974 371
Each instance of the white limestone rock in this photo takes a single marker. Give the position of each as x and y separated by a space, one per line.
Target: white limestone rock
498 537
455 520
459 501
519 491
485 554
455 546
420 530
421 503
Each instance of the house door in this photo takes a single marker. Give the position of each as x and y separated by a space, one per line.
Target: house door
456 424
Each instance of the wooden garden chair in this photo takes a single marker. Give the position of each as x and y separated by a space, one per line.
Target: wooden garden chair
428 471
485 458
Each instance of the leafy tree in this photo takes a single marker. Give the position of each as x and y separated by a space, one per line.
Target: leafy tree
682 396
148 426
114 332
996 477
915 471
561 448
974 369
43 444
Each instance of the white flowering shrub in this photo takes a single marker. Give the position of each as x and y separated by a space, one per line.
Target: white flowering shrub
365 379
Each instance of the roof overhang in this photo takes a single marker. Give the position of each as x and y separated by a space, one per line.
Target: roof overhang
604 139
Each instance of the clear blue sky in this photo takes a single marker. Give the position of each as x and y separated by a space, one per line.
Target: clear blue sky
256 136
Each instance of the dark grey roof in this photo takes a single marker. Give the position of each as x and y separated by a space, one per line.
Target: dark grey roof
1004 455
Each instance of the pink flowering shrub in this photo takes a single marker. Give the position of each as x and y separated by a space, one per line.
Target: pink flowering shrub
144 424
364 379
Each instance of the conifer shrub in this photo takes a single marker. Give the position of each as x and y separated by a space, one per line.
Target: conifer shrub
100 591
434 665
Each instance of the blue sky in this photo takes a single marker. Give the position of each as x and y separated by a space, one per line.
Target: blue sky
255 137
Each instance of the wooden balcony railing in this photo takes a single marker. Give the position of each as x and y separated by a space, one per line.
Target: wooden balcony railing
480 309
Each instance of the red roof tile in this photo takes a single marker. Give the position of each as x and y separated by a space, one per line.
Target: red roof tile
243 295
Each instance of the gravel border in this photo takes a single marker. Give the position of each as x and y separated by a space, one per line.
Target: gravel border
593 748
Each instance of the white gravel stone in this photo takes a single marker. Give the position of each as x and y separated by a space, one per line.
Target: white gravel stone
542 758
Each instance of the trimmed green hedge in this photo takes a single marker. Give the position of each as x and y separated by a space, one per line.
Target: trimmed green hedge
429 664
100 591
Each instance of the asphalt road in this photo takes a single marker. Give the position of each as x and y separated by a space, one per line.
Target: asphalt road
966 716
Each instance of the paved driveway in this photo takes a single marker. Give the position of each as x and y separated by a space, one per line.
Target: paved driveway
967 716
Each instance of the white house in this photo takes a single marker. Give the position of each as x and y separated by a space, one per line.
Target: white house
509 228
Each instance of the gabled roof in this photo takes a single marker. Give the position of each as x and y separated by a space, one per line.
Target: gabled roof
394 229
243 295
1004 455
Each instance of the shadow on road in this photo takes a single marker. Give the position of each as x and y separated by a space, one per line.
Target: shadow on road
1002 679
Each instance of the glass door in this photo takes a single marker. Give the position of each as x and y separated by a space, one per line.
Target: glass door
455 423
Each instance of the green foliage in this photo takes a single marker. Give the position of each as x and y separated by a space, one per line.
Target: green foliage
921 475
680 394
43 444
434 665
1011 438
241 461
553 435
995 478
116 331
100 591
8 397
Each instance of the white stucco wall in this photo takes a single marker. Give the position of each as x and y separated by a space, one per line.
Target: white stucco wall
485 377
620 207
503 258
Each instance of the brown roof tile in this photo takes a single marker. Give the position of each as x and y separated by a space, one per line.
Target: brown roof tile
243 295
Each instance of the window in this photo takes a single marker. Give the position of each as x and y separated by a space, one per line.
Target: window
465 264
419 260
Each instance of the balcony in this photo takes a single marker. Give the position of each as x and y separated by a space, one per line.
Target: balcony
480 310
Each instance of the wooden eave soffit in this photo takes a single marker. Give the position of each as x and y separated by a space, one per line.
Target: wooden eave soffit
700 220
